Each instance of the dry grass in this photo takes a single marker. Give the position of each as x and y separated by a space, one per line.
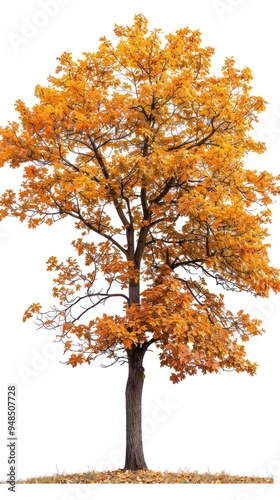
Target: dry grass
145 476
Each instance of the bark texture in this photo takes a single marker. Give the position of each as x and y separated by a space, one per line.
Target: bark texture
134 459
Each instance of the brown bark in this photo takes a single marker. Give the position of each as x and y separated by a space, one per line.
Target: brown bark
134 459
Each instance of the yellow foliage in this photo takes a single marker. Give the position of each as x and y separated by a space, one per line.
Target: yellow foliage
32 309
143 147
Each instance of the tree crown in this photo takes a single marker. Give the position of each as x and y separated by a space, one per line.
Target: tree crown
144 148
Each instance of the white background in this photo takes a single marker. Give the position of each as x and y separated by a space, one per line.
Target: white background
73 419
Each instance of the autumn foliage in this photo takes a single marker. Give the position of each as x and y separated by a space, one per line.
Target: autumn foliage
143 147
145 150
147 477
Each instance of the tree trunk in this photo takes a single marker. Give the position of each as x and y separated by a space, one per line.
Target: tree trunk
134 459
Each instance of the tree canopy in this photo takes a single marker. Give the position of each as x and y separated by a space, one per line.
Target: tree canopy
145 149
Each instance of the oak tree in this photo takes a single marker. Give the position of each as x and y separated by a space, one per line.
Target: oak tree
144 148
